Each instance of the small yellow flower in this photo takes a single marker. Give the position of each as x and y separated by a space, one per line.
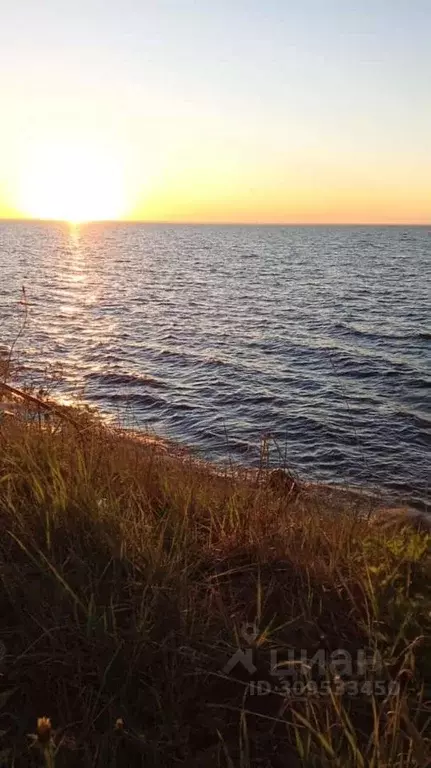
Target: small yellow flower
44 729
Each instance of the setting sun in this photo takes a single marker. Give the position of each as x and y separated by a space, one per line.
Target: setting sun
71 183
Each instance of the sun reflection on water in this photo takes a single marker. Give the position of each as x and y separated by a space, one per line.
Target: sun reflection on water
78 273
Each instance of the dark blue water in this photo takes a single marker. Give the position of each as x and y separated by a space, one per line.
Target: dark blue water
317 336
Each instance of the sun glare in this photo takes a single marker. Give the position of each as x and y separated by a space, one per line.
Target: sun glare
72 184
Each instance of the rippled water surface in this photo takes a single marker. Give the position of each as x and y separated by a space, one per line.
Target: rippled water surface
317 336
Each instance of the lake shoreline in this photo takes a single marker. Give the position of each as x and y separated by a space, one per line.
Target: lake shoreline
362 501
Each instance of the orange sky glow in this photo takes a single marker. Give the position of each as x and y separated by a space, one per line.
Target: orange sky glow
159 115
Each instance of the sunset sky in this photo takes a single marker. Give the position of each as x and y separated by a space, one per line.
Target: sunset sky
236 110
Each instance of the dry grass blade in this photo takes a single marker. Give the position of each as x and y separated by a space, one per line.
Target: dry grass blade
132 575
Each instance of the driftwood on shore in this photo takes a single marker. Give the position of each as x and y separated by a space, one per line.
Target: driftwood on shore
25 398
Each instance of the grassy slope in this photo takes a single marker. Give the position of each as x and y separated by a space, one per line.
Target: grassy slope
126 578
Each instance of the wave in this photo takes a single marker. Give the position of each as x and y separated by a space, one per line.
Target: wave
379 335
421 421
136 399
125 379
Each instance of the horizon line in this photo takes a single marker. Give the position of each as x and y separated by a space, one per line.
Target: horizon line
220 223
